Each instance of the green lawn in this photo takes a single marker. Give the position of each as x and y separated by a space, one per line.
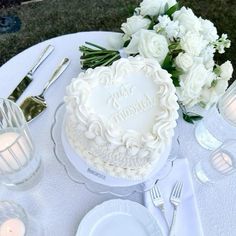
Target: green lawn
51 18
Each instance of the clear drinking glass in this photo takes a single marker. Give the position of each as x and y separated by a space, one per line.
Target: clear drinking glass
220 123
15 222
20 168
221 163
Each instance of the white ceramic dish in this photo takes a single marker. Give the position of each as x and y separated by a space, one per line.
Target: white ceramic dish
119 218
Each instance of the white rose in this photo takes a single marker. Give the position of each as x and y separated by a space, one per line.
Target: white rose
170 28
173 30
208 97
152 7
221 87
210 64
187 19
192 84
134 24
184 61
211 95
132 48
208 56
163 21
153 45
226 70
208 30
193 43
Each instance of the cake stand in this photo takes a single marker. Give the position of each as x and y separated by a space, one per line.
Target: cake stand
98 182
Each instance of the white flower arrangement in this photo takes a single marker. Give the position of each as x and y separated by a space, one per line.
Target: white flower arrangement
184 44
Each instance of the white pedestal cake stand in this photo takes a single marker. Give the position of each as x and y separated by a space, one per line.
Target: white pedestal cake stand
97 181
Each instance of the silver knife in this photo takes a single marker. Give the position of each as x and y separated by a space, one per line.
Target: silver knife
21 87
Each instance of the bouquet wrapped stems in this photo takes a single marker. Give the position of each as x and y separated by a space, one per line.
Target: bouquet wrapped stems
97 56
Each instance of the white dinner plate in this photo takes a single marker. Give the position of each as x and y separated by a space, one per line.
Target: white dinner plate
119 218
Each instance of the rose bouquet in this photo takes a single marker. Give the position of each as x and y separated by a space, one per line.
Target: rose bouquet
184 44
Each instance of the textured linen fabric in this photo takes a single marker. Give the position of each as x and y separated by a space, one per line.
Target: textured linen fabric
57 203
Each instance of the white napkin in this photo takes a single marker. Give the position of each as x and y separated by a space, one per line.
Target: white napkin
188 221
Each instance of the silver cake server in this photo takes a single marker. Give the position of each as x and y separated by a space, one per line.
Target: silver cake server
21 87
34 105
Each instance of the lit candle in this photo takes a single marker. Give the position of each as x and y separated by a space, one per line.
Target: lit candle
222 162
230 110
16 156
12 227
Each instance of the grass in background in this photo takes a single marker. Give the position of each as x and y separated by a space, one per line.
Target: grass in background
51 18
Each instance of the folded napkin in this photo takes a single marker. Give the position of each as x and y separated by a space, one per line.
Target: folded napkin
188 221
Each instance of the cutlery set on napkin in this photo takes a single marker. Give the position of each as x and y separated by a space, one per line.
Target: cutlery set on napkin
163 202
33 106
175 199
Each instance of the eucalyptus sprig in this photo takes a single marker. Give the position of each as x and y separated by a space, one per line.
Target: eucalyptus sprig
189 117
94 55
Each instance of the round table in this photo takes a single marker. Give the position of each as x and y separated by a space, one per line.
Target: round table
58 203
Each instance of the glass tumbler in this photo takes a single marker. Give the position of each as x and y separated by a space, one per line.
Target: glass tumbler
220 123
20 168
221 163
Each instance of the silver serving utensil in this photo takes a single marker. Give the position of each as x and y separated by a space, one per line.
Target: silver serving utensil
22 86
34 105
175 199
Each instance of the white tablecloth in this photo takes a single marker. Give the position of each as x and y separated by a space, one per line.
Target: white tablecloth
57 202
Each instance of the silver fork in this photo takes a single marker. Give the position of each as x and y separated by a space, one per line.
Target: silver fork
175 199
158 200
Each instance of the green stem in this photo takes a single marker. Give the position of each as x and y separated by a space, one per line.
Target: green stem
94 45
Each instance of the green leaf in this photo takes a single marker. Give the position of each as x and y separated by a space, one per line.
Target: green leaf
213 83
173 9
153 22
191 117
176 73
176 81
188 118
148 17
167 64
126 43
176 52
217 70
174 46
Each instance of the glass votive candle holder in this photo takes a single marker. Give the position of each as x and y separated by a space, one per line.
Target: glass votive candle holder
15 222
220 123
221 163
20 168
